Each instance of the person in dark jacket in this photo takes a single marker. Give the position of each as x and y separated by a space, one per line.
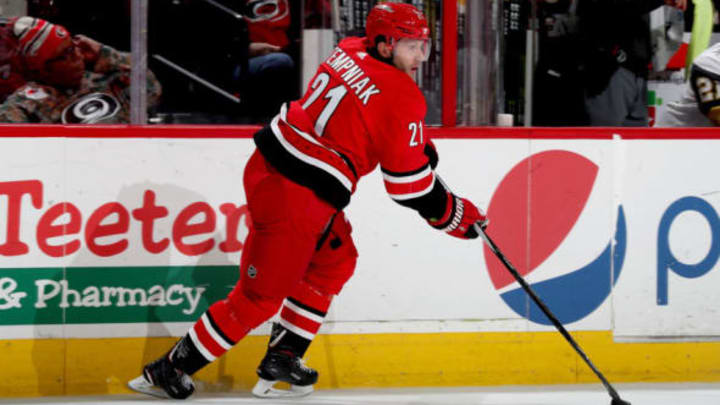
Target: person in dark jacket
616 51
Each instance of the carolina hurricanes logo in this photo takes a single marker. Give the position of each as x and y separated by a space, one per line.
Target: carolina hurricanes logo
91 109
267 10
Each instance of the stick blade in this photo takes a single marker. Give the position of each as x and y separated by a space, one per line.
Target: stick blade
618 401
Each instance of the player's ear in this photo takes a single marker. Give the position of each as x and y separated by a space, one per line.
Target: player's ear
384 49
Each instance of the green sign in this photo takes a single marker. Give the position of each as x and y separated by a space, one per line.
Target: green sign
74 295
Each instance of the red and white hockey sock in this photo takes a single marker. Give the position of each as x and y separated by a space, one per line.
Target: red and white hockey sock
203 343
299 323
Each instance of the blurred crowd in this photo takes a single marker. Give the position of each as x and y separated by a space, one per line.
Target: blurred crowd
209 61
596 57
237 61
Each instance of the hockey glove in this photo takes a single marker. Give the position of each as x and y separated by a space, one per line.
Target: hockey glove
459 218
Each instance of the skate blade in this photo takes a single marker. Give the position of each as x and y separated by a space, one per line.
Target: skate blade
264 389
141 385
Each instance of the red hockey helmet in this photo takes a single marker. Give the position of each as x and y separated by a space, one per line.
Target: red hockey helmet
395 21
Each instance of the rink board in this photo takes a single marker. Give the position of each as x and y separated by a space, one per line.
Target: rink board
115 239
48 367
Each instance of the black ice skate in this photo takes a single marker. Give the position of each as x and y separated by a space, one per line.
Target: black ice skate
283 366
161 379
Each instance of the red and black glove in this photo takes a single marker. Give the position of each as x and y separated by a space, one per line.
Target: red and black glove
459 218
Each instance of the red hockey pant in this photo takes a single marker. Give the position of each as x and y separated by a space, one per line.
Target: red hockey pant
280 257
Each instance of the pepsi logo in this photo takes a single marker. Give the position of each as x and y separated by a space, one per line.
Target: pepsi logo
549 191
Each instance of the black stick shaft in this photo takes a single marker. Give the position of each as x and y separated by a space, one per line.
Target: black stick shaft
547 312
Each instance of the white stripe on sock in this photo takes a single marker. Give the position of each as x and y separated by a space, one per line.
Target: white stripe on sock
294 329
205 352
304 313
213 333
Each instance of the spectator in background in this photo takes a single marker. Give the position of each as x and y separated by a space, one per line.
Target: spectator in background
11 70
700 102
205 42
71 80
558 94
270 77
616 51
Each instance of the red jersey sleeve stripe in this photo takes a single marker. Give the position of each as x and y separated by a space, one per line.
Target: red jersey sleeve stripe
407 177
419 186
410 187
412 182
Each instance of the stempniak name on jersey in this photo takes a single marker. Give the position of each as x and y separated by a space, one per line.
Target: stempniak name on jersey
352 74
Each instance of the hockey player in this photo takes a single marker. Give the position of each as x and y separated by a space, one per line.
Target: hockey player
361 109
699 105
71 80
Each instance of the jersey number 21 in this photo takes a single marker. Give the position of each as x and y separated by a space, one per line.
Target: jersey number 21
335 95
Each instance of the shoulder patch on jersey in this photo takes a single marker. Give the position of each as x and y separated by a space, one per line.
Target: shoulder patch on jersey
34 93
361 55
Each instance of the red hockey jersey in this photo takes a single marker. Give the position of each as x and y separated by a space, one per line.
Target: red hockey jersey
357 112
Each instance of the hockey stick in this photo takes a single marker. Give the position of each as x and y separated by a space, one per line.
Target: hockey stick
616 400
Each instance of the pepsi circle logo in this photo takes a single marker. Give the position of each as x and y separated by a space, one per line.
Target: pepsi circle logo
550 190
